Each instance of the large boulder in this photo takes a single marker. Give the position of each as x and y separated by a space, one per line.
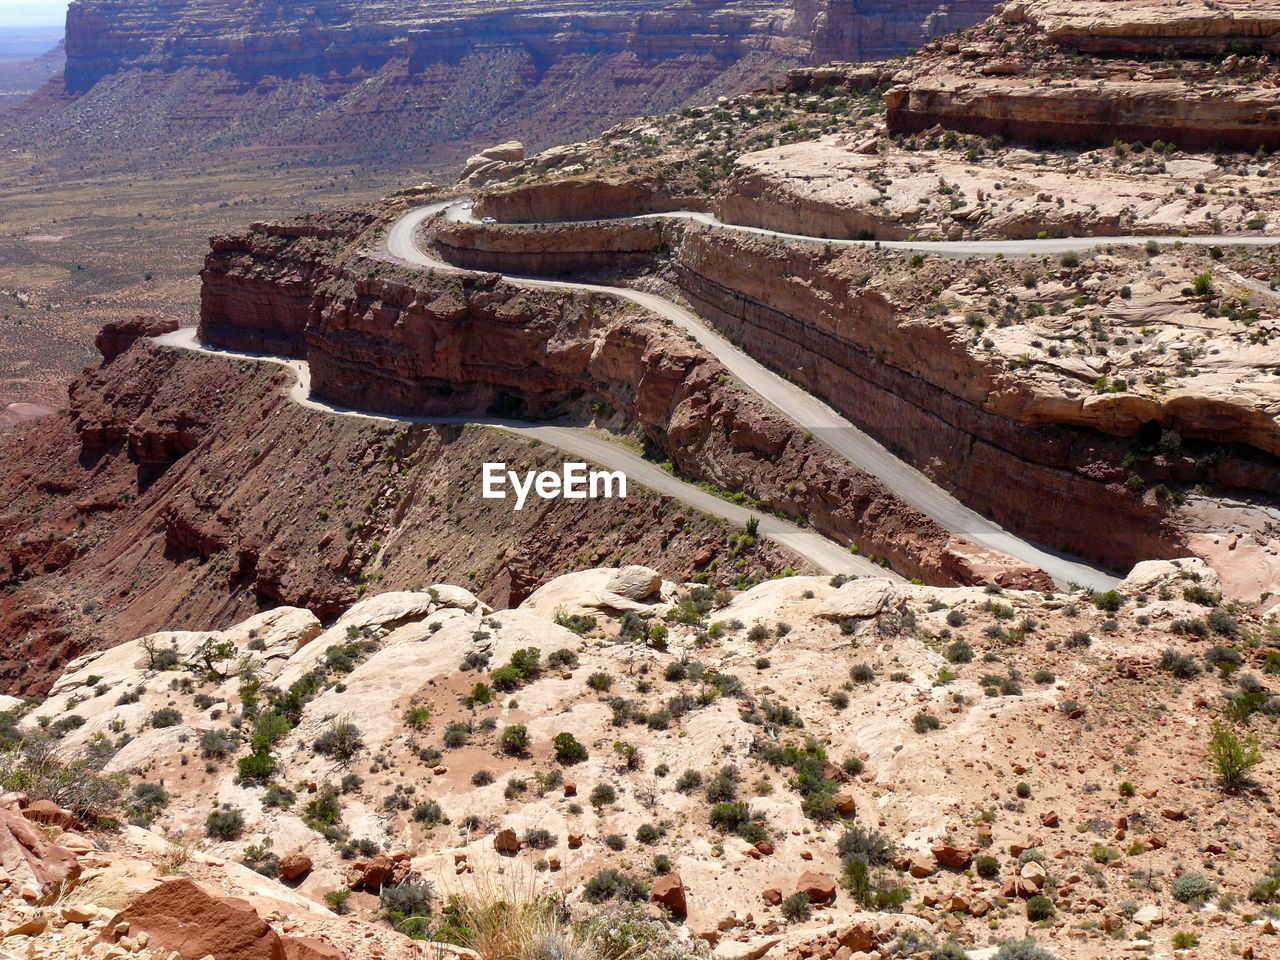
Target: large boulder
493 164
1151 576
39 869
668 892
635 582
182 917
820 888
859 599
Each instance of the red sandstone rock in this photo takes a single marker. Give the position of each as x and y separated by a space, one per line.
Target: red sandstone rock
48 812
117 336
295 865
820 888
953 858
39 868
181 916
668 892
507 841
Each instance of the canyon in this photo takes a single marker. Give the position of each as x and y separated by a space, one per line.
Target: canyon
431 76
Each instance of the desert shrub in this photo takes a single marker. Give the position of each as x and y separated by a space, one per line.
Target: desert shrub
418 716
560 659
955 618
724 785
482 778
407 907
689 781
987 867
167 717
224 825
323 814
1040 908
862 673
567 749
341 741
1181 665
870 847
515 740
924 722
539 839
1233 756
1200 595
1108 601
1023 950
278 796
612 884
1193 888
1222 623
796 908
648 834
599 682
603 794
456 735
145 802
959 652
616 842
216 743
256 768
576 622
428 813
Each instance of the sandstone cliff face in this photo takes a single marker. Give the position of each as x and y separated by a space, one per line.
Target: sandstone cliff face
181 489
388 339
1018 76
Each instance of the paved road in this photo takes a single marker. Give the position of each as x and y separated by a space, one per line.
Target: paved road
978 248
825 554
803 409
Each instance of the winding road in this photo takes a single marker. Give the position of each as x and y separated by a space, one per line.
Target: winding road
825 554
793 402
806 411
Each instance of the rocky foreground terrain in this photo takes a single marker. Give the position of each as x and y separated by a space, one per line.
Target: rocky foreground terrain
807 768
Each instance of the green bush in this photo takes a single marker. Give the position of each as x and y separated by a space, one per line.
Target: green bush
612 884
539 839
256 768
168 717
1193 888
515 740
407 907
341 741
1040 908
1233 756
567 749
1023 950
224 825
796 908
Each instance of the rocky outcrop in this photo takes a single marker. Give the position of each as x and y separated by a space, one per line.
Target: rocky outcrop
1019 76
248 500
575 198
183 917
846 345
399 340
256 294
1153 26
570 248
38 868
397 80
117 336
